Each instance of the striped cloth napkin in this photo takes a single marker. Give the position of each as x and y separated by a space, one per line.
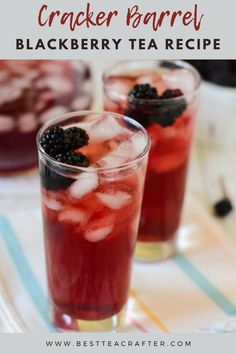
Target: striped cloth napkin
193 292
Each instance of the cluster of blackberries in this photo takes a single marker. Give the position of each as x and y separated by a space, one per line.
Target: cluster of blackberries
145 91
163 110
60 144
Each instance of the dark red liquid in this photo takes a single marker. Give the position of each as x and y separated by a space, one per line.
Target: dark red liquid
165 180
88 280
28 94
162 205
17 152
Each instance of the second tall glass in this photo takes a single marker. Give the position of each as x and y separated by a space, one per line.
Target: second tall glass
162 96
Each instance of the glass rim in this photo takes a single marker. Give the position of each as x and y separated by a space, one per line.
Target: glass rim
92 169
180 63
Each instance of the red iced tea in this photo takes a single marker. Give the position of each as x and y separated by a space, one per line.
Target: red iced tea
91 217
32 92
162 97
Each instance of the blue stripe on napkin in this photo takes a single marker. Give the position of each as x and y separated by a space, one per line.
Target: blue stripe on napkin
25 272
205 285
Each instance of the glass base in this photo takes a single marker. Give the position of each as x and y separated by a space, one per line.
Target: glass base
65 322
155 251
106 325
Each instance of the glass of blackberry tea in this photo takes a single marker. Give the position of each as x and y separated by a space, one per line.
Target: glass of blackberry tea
162 96
92 168
31 93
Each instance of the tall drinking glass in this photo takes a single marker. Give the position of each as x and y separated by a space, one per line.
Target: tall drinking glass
91 201
162 96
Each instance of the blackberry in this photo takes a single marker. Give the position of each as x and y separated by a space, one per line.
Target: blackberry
171 93
223 207
172 109
53 141
73 158
53 180
76 137
144 91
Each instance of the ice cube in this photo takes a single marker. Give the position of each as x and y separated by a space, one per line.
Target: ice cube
27 123
31 74
126 150
118 156
21 83
52 68
99 229
111 160
119 87
85 183
3 75
99 234
77 65
9 93
105 129
52 113
149 77
145 79
73 216
138 144
7 123
115 199
181 79
58 84
81 102
52 204
86 125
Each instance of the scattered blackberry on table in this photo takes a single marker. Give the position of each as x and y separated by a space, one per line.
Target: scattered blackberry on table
76 137
143 91
223 207
53 141
73 158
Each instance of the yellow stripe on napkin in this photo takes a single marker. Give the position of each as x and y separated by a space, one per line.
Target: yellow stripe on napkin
149 312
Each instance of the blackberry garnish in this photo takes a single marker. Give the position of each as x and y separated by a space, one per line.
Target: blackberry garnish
162 110
73 158
53 141
52 180
144 91
60 144
76 137
172 109
223 207
172 93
